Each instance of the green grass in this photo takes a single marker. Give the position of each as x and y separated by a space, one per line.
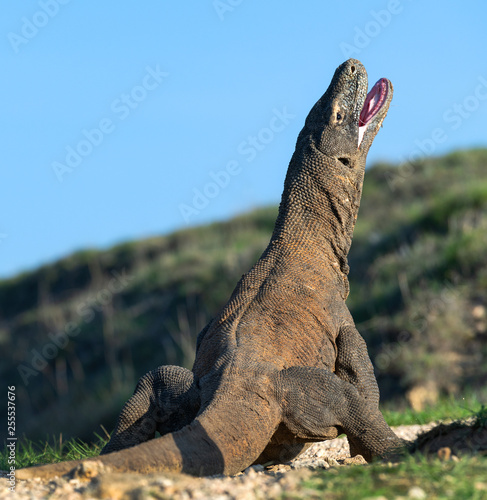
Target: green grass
446 409
30 453
438 480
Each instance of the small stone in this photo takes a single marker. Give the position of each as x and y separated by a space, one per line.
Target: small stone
416 492
165 482
356 460
478 312
331 461
250 472
278 468
310 464
422 395
320 464
87 470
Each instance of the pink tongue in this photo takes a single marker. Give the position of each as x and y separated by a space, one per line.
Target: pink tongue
373 102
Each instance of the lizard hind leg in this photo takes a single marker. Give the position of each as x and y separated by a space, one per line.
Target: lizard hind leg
165 400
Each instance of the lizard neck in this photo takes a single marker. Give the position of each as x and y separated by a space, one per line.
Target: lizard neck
317 214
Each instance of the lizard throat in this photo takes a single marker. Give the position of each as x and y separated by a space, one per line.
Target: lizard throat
373 103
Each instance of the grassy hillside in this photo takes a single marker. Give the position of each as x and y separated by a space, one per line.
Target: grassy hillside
79 333
419 274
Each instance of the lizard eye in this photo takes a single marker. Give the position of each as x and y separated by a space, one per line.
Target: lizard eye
339 116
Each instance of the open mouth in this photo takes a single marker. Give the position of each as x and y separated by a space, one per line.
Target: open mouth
373 102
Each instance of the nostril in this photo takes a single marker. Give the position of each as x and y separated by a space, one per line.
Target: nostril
352 69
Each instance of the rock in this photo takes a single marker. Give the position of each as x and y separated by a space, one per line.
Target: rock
250 472
331 461
478 312
253 469
444 453
356 460
416 492
87 470
311 464
279 468
422 395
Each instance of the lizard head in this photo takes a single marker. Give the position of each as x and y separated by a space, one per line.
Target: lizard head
345 121
324 182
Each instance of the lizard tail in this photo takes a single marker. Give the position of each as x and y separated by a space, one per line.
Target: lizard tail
225 439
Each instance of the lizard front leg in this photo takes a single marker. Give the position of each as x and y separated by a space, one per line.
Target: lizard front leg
165 400
354 366
315 403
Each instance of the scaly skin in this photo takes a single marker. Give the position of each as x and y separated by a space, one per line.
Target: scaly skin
282 365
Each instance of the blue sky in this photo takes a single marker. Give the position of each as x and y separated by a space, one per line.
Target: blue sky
121 121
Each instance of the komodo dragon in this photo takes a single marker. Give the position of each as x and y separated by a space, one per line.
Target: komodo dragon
282 365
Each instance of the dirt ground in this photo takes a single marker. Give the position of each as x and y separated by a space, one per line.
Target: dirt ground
257 482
